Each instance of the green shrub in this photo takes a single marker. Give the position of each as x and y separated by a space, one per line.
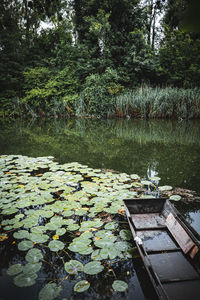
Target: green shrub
98 93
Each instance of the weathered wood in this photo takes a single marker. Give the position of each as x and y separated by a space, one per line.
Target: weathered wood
180 235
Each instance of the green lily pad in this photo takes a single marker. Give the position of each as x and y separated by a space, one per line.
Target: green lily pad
109 252
125 234
122 246
73 227
73 266
24 280
21 234
165 188
25 245
105 242
93 268
60 231
38 238
111 225
96 255
56 245
81 286
119 286
146 182
30 268
175 197
50 291
15 269
34 255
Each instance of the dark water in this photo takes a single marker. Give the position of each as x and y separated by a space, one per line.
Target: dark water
168 149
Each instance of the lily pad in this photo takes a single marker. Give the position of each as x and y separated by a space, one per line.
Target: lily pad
73 227
125 234
60 231
50 291
56 245
24 280
111 225
165 188
34 255
25 245
93 268
30 268
15 269
73 266
81 286
21 234
175 197
38 238
119 286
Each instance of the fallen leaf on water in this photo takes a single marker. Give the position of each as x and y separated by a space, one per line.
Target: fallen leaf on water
3 237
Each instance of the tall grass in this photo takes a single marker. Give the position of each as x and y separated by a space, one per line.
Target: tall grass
148 102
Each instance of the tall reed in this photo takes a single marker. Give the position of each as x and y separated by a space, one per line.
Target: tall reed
149 102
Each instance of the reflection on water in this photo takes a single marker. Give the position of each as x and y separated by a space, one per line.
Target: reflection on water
169 149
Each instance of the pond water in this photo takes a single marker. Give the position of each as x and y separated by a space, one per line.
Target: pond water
168 149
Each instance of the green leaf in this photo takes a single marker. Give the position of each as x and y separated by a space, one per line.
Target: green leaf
15 269
50 291
93 268
73 267
125 234
25 245
81 286
165 188
34 255
175 197
30 268
56 245
24 280
119 286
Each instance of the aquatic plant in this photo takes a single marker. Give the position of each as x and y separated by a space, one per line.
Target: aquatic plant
67 211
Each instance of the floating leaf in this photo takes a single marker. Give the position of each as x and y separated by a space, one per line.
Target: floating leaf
50 291
81 286
175 197
105 242
119 286
165 188
93 268
56 245
38 238
15 269
30 268
125 234
96 255
34 255
73 266
146 182
73 227
25 245
24 280
111 225
3 237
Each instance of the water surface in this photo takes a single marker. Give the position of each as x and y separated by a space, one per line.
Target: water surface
168 149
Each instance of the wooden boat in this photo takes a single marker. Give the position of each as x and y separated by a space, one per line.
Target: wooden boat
168 245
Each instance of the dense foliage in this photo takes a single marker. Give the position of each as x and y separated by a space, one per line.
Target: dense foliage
90 53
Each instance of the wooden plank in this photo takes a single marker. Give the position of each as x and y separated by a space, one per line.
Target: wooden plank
180 235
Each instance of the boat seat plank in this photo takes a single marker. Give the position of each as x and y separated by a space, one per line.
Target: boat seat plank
184 290
157 240
151 220
172 266
181 236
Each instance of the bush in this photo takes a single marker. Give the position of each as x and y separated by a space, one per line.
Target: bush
98 93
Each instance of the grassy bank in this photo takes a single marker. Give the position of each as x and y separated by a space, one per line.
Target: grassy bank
148 102
141 102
